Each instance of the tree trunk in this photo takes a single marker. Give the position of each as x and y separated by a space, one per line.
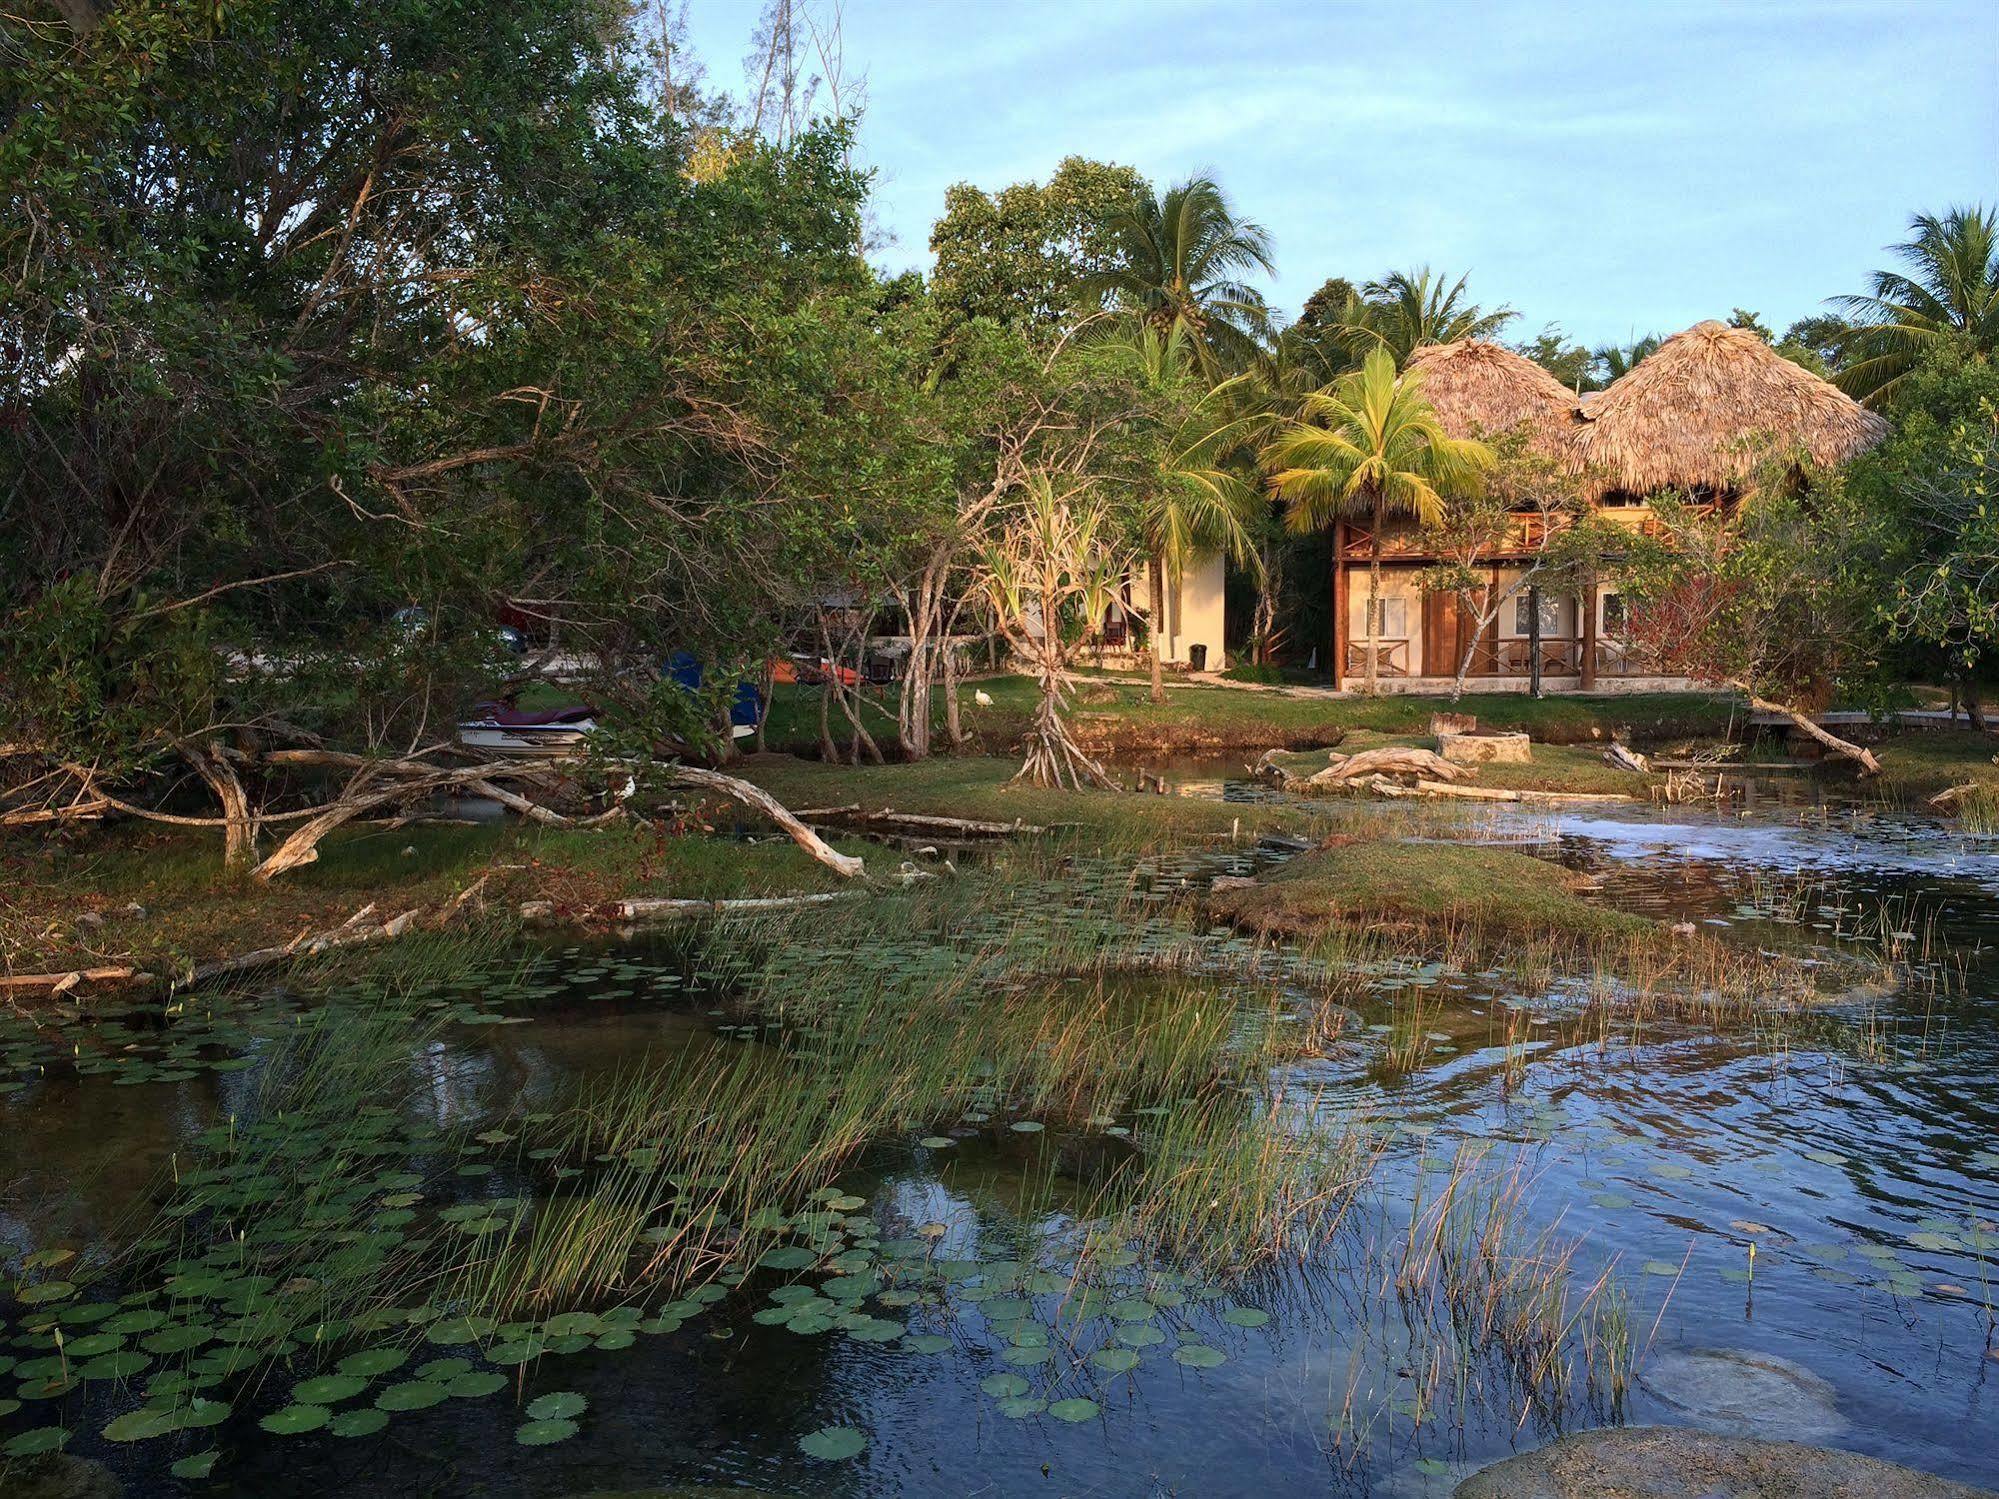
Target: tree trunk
1155 577
1859 754
1374 601
1534 641
239 832
1974 706
830 671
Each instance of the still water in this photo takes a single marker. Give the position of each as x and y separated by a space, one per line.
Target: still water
1859 1157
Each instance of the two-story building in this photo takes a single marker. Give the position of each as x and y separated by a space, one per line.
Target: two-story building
1701 417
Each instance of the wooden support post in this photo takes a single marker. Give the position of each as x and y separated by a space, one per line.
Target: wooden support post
1339 604
1534 640
1589 605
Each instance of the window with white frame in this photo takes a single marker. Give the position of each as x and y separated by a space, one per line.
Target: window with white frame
1554 616
1388 620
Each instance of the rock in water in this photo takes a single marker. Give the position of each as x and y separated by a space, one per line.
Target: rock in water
1742 1394
1661 1462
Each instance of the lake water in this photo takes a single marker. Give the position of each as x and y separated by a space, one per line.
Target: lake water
1859 1156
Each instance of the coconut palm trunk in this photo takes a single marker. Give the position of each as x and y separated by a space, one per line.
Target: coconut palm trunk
1372 620
1155 578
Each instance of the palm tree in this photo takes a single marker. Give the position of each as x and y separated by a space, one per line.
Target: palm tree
1192 498
1180 261
1407 309
1614 361
1370 445
1950 292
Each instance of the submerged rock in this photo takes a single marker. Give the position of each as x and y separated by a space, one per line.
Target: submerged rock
1739 1393
60 1476
1661 1462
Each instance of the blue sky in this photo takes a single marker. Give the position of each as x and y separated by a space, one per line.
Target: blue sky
1619 167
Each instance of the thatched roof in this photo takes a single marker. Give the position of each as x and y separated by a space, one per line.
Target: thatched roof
1481 390
1708 407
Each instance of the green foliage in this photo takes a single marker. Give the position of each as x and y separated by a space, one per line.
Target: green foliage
1022 255
1935 486
1180 263
1947 294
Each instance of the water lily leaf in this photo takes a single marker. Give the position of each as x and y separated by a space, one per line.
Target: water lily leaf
1199 1356
328 1389
141 1425
1115 1360
1020 1407
936 1142
1245 1316
295 1419
1004 1386
373 1361
363 1421
198 1466
557 1405
476 1385
1074 1409
48 1290
1142 1335
543 1433
833 1443
786 1257
34 1443
927 1342
410 1395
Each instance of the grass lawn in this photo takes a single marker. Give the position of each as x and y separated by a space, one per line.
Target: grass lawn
193 911
1482 891
1114 716
1918 763
976 786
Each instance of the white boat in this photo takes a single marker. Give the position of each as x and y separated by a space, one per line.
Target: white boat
547 736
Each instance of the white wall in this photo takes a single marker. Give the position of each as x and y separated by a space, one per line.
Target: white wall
1194 611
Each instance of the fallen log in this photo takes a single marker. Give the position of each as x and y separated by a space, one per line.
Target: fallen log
1625 758
548 912
924 820
345 935
1495 794
1802 722
1392 760
52 984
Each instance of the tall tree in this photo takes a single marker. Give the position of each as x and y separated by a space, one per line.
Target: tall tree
1022 255
1181 259
1407 309
1371 446
1946 292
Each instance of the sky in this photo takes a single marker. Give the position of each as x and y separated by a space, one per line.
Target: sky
1618 167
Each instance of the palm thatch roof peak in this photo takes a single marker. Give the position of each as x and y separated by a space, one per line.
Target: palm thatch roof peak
1708 408
1479 389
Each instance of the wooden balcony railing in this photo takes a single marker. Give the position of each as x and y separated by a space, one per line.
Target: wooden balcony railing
1560 657
1391 657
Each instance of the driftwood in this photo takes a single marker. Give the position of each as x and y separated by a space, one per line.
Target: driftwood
50 985
1393 760
1947 799
378 784
1495 794
1802 722
548 912
924 821
350 934
1625 758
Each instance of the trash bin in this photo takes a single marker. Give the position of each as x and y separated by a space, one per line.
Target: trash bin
1197 657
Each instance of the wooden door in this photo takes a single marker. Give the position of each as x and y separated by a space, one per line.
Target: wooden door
1441 643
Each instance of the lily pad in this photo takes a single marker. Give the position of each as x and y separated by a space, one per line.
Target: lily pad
1004 1386
1074 1409
294 1420
1245 1316
545 1433
364 1421
1115 1360
557 1405
832 1443
328 1389
198 1466
411 1395
1199 1356
373 1361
